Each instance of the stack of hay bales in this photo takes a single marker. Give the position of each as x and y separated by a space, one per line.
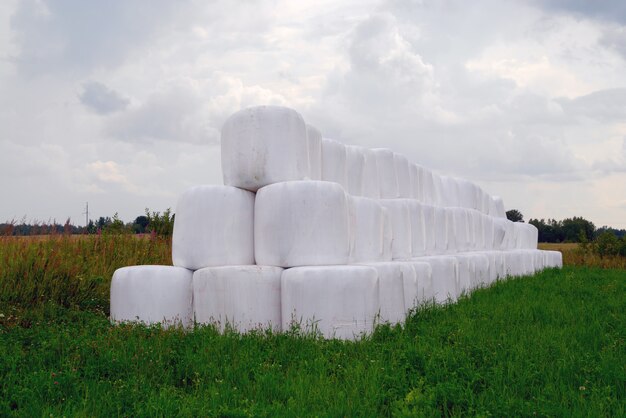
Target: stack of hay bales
309 231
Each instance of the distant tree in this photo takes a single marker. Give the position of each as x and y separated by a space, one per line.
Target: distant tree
160 224
103 222
116 226
573 227
514 215
607 244
91 227
140 224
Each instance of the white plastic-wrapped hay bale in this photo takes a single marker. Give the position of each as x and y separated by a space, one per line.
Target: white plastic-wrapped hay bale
428 187
489 231
387 177
334 162
485 202
387 236
461 228
450 191
466 194
338 301
450 231
509 236
371 182
264 145
314 143
414 181
499 231
301 223
398 210
445 278
428 212
421 290
538 261
482 275
355 169
552 259
466 271
496 266
439 198
240 297
441 236
418 238
493 210
391 289
367 229
514 263
499 203
213 227
152 295
403 174
528 262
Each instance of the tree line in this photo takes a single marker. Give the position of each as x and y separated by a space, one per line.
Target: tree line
156 223
604 241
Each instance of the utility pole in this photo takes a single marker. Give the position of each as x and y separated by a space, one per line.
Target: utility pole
86 213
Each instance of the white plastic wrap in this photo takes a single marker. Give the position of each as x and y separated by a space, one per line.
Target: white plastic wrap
450 192
501 213
428 212
538 261
496 266
499 231
301 223
482 275
241 297
485 202
514 263
438 194
367 228
391 289
314 142
466 272
461 228
151 295
387 177
398 210
466 196
334 162
441 236
403 174
493 210
387 235
420 291
264 145
415 181
445 279
213 226
489 231
371 182
509 236
552 259
450 231
338 301
418 238
428 187
355 169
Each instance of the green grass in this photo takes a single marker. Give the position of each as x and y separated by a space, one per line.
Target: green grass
547 345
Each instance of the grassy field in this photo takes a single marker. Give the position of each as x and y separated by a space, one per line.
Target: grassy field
547 345
574 255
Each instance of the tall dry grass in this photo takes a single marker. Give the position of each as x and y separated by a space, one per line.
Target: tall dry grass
73 271
576 255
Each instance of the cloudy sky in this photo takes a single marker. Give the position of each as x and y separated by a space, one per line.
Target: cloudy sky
120 103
